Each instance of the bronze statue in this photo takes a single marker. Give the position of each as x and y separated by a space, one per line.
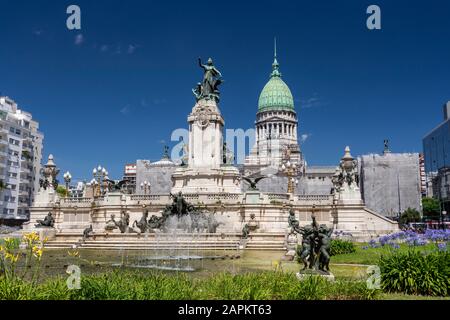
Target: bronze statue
155 222
324 237
245 231
48 221
87 232
197 92
111 224
315 250
179 205
307 253
142 223
293 222
209 88
115 185
199 220
253 182
124 222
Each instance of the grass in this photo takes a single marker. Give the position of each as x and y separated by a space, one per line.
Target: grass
371 256
250 278
125 285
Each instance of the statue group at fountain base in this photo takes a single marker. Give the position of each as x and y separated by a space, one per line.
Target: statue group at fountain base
315 248
187 216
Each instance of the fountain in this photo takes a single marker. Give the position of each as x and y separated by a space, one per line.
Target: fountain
178 233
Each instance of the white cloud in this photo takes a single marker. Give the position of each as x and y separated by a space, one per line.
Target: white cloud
38 32
304 137
131 49
104 48
312 102
79 39
125 110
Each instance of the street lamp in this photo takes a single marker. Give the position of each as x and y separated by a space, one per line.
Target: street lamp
291 170
93 184
67 178
145 186
100 179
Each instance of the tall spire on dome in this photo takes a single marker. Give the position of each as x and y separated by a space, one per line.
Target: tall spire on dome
275 65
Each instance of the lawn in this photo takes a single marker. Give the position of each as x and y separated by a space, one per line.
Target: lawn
370 256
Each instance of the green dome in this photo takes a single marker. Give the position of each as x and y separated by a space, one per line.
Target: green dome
276 95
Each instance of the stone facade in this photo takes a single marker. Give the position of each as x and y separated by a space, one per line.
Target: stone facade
233 210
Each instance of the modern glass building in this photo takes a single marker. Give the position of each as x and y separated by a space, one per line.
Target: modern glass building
436 145
436 148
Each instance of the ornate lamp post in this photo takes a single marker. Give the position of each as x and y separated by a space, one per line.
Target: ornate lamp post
100 176
291 171
145 186
93 184
67 178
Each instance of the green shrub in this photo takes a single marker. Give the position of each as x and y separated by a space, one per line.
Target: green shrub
339 246
415 272
409 215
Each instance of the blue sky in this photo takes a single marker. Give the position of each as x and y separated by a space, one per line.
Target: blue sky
115 94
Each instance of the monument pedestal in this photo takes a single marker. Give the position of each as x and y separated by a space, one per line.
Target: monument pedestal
46 233
350 196
206 171
193 180
291 244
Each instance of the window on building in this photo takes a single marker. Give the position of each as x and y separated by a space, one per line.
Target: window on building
14 141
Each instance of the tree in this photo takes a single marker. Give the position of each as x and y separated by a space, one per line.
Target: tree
410 215
431 208
61 191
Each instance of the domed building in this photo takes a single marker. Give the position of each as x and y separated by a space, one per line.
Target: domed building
276 126
276 144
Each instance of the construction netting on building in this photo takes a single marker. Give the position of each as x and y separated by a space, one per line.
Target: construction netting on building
390 183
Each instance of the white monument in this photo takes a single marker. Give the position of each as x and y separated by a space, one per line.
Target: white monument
207 170
346 181
47 190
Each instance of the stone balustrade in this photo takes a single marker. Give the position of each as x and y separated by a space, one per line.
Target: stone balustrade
76 200
278 196
320 199
148 197
206 198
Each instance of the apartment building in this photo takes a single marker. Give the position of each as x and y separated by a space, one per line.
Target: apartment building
20 160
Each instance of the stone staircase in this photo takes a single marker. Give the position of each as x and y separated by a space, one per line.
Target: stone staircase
115 241
266 241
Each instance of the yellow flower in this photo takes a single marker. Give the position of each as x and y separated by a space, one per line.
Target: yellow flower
31 237
11 257
37 252
73 253
14 258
